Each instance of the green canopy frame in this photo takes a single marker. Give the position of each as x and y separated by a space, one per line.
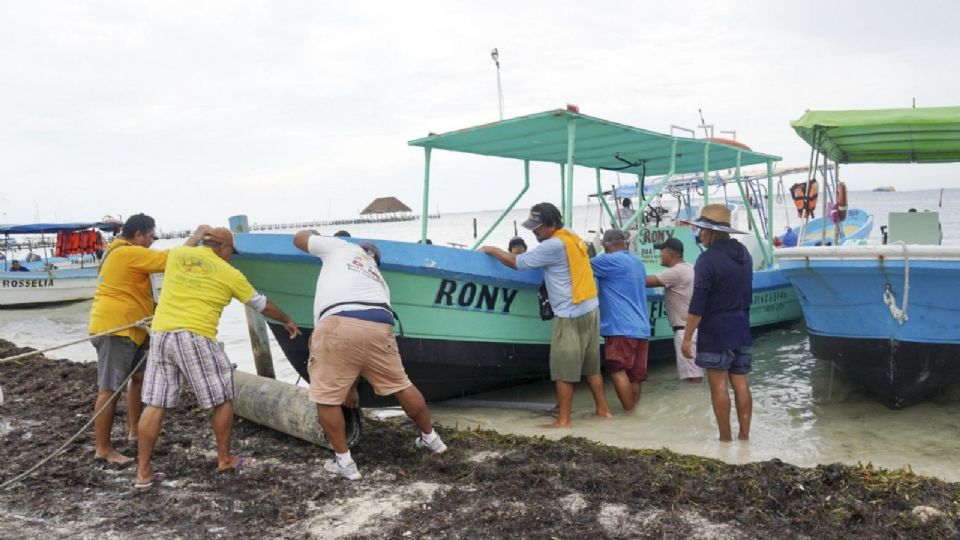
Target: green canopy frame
568 138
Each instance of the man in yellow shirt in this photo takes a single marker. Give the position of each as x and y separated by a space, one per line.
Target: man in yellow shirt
123 296
198 282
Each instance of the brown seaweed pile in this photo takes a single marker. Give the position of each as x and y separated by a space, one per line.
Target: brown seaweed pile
486 486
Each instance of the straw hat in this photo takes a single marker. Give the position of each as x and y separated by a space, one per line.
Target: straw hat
715 217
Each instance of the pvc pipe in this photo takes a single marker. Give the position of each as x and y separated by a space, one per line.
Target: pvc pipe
286 408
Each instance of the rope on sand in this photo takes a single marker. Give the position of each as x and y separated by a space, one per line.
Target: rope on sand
142 323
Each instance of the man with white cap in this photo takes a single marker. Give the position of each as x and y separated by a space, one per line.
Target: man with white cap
720 310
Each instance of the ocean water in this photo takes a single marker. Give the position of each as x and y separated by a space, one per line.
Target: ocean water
804 413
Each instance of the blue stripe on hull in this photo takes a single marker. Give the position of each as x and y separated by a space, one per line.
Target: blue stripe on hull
844 298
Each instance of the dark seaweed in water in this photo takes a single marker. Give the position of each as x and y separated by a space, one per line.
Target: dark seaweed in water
486 486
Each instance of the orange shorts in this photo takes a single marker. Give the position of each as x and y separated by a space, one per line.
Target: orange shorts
344 348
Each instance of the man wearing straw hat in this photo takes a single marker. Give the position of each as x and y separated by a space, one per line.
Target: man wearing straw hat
720 310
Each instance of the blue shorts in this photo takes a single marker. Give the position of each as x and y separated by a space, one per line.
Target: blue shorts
738 360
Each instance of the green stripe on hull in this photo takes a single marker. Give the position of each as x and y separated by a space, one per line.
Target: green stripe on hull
436 308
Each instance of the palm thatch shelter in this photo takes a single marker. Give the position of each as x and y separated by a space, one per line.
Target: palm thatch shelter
387 209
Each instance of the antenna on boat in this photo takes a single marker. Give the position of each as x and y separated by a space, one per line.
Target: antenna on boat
495 55
704 125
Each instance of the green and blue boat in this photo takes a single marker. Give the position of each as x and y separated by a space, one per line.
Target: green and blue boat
468 323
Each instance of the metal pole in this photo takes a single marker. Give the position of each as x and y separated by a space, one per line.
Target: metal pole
256 323
425 213
706 175
563 186
603 201
526 186
753 225
568 190
770 206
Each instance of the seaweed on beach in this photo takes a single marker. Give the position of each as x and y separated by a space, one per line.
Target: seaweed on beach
487 485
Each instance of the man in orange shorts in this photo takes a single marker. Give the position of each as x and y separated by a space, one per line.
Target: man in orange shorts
352 338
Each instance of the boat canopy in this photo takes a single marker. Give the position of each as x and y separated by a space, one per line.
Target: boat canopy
925 135
600 144
37 228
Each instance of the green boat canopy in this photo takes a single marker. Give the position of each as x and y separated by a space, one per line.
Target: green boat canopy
927 135
598 144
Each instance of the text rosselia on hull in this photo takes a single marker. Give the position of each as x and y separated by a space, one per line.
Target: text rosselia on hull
18 283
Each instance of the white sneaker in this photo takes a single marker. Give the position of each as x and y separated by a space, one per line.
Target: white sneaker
349 471
436 445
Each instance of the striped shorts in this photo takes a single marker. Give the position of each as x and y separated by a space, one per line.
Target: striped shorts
179 355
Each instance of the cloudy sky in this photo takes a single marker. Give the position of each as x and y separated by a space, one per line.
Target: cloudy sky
193 111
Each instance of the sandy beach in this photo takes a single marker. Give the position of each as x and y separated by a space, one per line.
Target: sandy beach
487 486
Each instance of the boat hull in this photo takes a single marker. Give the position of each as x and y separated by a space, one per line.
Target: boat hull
467 323
842 292
25 289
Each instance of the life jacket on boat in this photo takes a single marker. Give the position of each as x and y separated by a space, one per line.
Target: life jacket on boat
804 200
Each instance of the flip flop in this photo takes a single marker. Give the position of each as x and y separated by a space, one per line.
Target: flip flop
157 478
241 463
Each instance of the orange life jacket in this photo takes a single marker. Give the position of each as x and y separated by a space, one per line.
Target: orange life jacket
805 201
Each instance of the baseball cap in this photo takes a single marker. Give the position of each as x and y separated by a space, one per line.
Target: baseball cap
541 211
612 236
371 250
221 235
670 243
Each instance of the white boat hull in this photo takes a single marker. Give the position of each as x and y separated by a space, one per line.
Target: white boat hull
19 289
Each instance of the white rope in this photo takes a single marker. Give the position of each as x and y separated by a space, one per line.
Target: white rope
86 426
899 314
142 323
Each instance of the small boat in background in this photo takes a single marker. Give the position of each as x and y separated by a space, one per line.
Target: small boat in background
65 270
855 228
888 315
884 188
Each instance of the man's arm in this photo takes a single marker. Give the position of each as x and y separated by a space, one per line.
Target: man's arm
302 239
654 281
505 257
693 321
271 310
197 235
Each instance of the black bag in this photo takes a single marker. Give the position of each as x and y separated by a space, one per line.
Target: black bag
546 312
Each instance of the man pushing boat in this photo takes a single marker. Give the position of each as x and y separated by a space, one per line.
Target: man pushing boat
353 338
198 283
575 344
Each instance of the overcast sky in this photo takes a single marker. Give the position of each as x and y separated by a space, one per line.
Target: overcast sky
194 111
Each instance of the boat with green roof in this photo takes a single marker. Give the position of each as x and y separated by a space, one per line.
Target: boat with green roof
468 323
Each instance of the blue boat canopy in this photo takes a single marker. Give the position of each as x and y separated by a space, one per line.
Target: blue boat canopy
600 144
37 228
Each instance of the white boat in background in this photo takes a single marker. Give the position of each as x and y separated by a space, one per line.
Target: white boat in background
69 275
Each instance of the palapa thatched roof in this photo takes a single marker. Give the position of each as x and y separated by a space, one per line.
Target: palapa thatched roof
385 205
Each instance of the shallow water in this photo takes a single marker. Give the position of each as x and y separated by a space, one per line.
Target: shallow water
803 412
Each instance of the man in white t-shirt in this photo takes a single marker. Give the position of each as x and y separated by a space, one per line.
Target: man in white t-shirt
677 281
352 338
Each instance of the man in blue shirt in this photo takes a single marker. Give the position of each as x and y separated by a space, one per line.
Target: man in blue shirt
720 309
575 344
624 325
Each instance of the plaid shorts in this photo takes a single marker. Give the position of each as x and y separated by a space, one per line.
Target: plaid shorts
179 355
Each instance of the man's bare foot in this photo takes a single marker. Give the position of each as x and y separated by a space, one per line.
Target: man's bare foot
236 464
743 437
695 379
112 456
605 415
558 425
726 439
